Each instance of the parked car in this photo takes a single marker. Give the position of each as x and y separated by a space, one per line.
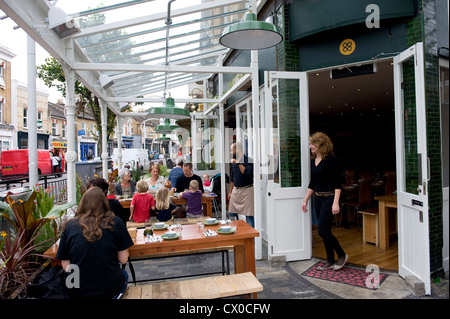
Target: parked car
135 157
15 163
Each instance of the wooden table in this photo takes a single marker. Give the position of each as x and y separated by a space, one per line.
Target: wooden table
384 203
192 239
206 201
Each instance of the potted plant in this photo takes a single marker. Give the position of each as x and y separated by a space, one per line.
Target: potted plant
16 266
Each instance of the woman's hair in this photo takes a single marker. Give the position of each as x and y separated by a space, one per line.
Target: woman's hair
162 199
194 185
323 142
94 215
142 186
155 166
124 171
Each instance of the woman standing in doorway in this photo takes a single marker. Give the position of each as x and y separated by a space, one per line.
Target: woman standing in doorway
325 185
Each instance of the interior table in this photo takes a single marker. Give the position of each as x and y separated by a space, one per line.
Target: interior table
384 203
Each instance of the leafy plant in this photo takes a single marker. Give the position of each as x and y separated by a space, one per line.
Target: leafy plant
163 171
2 242
16 263
19 211
44 205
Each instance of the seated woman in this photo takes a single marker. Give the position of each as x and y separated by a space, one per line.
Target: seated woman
126 186
155 181
97 243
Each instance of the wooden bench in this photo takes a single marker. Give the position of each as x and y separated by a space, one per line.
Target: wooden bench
370 225
200 288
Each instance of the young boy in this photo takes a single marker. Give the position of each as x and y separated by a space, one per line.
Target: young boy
194 200
141 203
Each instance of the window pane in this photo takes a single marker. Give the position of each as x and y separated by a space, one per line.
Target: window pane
411 174
289 122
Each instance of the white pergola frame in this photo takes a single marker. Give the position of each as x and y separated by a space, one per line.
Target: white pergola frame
30 15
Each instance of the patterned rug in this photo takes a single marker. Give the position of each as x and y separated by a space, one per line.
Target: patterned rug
372 279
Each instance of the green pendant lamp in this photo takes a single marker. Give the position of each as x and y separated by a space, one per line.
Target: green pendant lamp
169 111
163 138
166 127
250 34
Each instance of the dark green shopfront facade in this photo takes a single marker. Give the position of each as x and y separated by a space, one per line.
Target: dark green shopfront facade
325 33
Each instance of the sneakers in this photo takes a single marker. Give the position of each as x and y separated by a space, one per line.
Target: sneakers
326 266
341 262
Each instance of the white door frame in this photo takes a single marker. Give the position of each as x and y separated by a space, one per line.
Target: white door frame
412 211
288 228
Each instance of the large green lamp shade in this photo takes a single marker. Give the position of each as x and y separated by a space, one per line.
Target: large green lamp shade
250 34
164 138
166 127
169 111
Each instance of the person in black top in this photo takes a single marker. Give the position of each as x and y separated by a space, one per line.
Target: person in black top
114 204
325 185
241 195
94 243
183 181
182 184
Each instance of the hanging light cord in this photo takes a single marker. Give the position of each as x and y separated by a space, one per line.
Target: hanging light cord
168 24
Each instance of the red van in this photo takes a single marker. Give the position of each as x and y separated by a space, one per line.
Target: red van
15 163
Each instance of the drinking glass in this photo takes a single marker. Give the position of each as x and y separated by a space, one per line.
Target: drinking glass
233 220
200 222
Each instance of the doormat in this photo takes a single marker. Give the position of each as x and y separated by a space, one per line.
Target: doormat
348 275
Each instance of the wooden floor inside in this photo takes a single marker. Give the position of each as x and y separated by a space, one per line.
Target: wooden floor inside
359 253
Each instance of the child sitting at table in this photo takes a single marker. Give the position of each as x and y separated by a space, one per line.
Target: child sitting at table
141 203
194 200
164 206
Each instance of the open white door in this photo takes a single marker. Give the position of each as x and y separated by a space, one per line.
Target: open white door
412 165
287 159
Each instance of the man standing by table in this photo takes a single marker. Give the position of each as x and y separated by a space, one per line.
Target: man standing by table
241 185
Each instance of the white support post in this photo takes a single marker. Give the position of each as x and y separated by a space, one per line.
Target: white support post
71 154
32 114
119 141
222 149
256 146
104 157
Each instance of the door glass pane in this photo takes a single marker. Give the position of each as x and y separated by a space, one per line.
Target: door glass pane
206 144
275 136
444 79
411 173
289 123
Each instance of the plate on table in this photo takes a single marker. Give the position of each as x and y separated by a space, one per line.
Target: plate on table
160 228
165 237
207 223
232 231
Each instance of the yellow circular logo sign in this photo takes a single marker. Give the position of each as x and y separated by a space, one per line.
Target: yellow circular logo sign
347 47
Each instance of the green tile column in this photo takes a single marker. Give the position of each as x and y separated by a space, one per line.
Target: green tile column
423 28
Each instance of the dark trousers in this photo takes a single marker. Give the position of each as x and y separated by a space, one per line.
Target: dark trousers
322 205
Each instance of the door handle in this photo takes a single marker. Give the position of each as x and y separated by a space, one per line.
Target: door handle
270 194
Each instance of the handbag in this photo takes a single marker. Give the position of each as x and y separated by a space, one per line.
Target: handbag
50 284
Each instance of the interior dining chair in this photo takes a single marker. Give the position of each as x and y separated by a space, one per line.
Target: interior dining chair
364 200
391 184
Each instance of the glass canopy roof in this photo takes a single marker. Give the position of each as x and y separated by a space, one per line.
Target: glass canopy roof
181 33
118 33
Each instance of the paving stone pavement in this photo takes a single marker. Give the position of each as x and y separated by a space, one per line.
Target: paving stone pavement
284 282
